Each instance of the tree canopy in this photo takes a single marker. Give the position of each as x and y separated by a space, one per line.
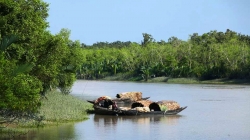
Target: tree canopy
33 60
207 56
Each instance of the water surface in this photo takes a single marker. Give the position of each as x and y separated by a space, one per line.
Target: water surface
214 112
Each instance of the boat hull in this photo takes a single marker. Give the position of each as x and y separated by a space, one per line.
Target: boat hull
105 111
137 113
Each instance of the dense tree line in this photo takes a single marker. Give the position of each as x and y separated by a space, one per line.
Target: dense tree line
32 60
207 56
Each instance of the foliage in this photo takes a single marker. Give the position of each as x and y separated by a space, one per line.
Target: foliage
163 108
24 18
19 91
32 60
208 56
147 38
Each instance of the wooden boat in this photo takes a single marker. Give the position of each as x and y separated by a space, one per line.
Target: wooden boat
132 112
105 106
105 111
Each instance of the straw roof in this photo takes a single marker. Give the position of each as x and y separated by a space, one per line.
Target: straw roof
142 103
134 96
171 105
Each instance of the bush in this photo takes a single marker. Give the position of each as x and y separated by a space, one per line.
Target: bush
20 93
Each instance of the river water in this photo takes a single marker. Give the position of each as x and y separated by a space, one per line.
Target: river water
214 112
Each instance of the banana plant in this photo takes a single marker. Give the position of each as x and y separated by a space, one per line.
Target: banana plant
6 42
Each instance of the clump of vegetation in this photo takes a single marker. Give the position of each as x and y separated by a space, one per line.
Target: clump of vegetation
63 108
163 107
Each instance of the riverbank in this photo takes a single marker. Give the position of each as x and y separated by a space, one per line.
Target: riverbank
196 81
56 109
120 77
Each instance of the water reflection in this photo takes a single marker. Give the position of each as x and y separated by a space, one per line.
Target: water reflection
106 121
49 133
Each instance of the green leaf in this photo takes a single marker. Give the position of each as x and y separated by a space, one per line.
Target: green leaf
7 41
22 69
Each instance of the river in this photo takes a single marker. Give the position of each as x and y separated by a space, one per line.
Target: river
214 112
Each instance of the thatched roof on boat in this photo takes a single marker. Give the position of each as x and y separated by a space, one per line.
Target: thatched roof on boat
169 105
142 103
134 96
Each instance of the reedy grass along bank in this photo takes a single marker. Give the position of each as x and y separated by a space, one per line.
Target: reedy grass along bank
57 108
63 108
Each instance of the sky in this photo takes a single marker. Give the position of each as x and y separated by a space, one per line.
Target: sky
92 21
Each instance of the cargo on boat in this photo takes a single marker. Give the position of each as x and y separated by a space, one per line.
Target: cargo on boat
148 107
105 106
125 97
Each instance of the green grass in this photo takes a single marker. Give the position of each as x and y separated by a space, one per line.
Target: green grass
63 108
57 109
183 80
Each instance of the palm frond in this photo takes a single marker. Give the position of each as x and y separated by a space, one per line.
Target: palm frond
7 41
22 68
